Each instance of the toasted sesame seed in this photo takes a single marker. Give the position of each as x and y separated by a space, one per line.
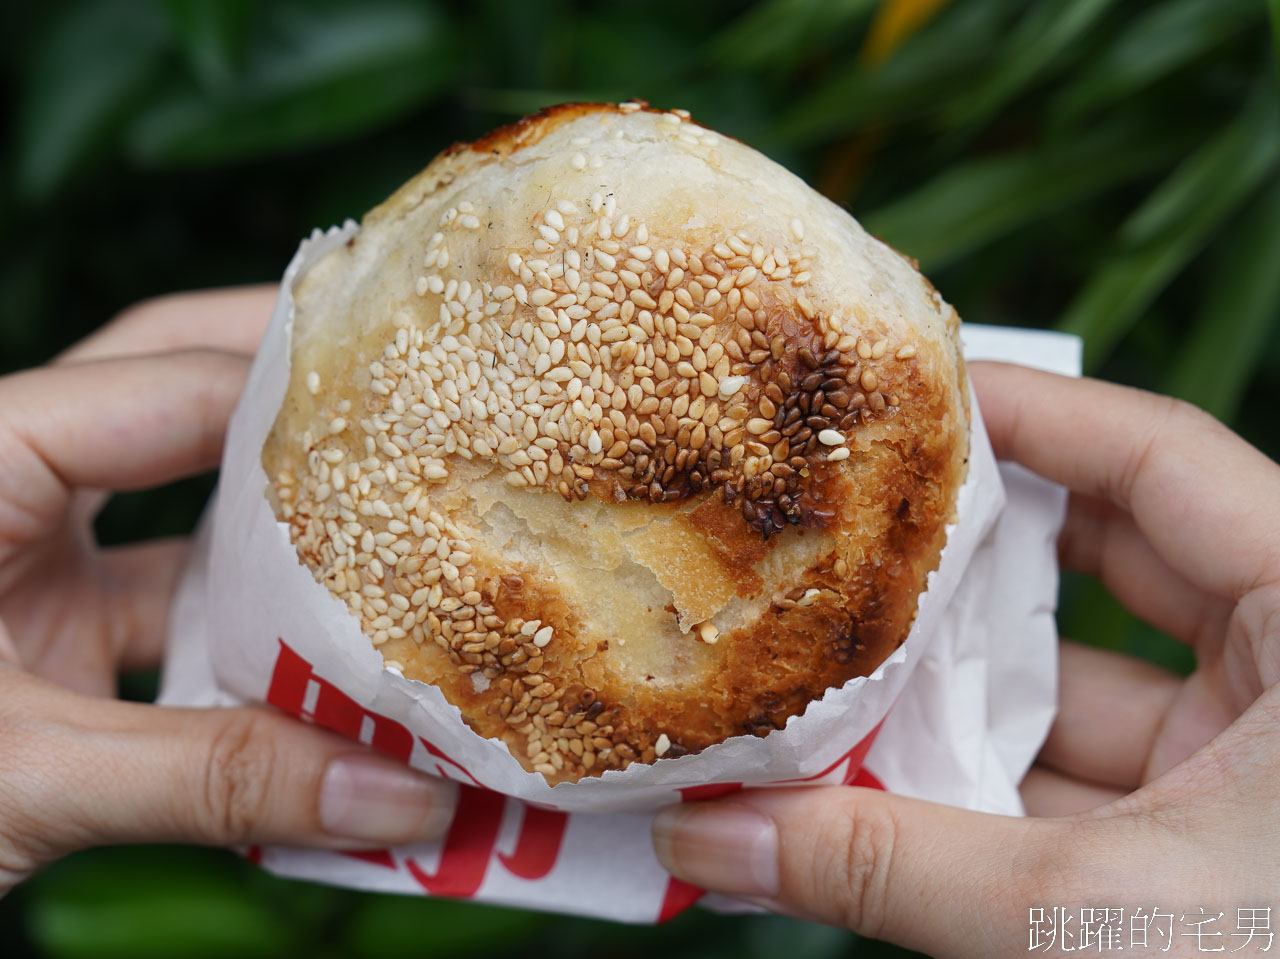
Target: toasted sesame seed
607 354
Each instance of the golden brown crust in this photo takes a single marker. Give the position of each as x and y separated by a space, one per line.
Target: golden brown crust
633 520
529 130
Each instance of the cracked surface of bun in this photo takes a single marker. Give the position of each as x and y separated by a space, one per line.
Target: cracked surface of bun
621 435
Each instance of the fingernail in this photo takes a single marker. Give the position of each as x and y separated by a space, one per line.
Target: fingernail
370 799
720 846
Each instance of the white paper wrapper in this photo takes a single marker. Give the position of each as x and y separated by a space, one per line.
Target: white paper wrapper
955 714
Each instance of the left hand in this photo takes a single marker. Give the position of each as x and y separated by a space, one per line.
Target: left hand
140 404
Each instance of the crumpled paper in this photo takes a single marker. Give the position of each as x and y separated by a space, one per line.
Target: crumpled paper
955 715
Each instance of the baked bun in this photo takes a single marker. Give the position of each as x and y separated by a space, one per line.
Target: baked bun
621 435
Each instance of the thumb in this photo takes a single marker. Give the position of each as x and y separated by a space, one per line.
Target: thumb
933 878
83 771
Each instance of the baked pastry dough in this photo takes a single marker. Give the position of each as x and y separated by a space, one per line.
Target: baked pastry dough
621 435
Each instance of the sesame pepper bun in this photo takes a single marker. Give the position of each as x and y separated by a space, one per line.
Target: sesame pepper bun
620 435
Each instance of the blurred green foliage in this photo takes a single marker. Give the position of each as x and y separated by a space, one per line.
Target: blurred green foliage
1109 167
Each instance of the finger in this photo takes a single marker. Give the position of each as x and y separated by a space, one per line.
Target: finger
140 581
1195 489
1101 540
115 424
1205 705
1110 709
86 771
928 877
231 319
1046 792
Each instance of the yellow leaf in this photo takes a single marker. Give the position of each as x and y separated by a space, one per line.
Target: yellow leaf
894 23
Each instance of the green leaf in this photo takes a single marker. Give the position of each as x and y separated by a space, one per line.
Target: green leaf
86 74
213 35
930 68
983 199
1240 311
151 902
1034 47
777 34
391 927
1275 27
1152 45
313 72
1172 225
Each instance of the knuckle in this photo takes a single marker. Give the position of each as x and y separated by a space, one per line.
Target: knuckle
1257 618
1173 412
15 862
1165 415
154 308
860 865
238 779
17 858
34 825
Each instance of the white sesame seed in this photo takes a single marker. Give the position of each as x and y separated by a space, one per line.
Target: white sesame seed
730 385
838 454
830 438
542 637
662 745
313 383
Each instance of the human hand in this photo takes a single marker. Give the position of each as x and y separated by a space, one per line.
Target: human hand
139 404
1161 790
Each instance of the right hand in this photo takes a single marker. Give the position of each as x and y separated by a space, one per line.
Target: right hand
1150 791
